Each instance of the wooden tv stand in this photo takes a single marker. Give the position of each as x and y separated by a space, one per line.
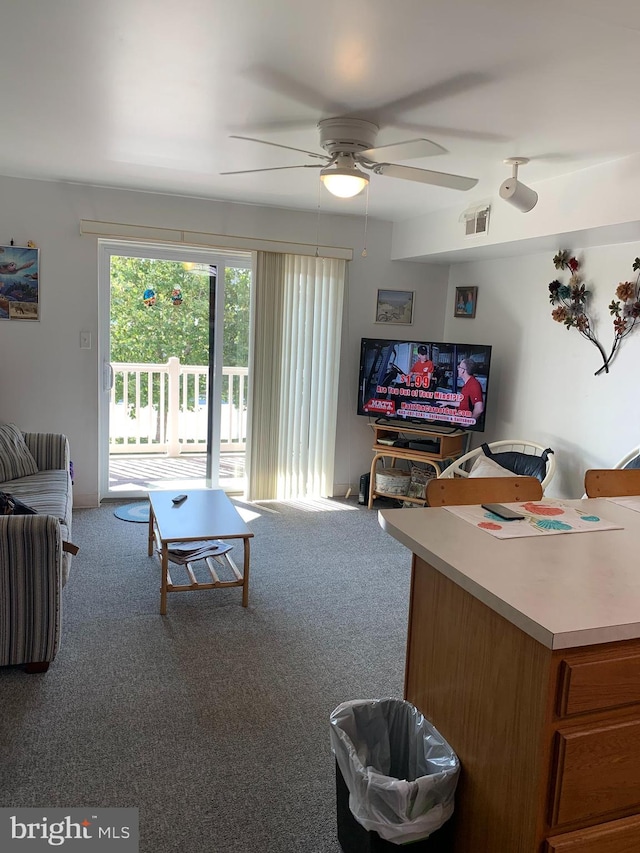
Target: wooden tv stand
445 446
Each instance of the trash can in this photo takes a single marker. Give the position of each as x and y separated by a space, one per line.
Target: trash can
396 778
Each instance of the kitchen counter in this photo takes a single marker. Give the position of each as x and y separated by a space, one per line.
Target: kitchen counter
564 590
525 654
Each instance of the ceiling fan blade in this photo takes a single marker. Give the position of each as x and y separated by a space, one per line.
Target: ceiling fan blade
295 89
277 145
452 132
425 176
275 126
447 88
274 169
408 150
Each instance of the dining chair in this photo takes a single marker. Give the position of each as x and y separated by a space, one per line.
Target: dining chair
478 490
612 482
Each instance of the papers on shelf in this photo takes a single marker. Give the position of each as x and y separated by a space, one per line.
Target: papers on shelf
542 518
189 552
630 503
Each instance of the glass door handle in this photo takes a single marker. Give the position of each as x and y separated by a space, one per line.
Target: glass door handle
107 376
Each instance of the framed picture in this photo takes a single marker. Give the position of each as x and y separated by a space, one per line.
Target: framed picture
466 300
395 306
19 283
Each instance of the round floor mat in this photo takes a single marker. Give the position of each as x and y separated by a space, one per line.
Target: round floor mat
133 512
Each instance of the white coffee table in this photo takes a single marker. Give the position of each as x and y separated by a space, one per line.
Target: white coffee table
206 514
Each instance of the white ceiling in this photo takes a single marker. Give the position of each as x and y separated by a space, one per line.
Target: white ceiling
143 94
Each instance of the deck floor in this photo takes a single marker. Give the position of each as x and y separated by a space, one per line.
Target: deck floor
149 471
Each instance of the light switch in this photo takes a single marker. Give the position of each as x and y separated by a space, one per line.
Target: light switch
85 340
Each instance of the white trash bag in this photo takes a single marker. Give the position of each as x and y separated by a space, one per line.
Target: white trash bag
401 773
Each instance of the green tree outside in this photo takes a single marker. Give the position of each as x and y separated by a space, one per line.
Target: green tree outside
152 333
142 333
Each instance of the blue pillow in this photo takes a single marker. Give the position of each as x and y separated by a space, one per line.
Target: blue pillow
524 464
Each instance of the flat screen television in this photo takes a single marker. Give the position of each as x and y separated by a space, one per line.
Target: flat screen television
424 382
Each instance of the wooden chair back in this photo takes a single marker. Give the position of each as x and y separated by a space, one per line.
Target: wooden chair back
480 490
612 482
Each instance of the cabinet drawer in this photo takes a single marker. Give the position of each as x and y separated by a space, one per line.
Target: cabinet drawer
598 771
592 683
619 836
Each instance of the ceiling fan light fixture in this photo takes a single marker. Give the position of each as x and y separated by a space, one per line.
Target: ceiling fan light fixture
344 182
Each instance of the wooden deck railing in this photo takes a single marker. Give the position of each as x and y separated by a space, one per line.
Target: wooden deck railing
162 408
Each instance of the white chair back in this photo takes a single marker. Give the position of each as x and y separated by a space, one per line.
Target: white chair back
631 460
462 465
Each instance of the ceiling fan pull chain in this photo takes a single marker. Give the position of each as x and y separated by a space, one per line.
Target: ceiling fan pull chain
318 219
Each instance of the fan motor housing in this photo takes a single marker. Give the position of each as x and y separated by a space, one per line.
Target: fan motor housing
347 134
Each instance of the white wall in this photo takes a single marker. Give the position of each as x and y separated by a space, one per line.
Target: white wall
355 438
47 383
542 383
598 205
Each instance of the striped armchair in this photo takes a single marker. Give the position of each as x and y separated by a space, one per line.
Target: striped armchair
33 566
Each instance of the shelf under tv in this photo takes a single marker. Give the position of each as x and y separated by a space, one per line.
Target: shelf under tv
445 447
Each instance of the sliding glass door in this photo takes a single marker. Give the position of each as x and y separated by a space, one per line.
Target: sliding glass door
172 413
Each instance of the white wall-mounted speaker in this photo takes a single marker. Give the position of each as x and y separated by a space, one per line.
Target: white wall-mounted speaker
516 193
519 195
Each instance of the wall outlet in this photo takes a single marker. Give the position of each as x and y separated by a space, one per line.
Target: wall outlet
85 340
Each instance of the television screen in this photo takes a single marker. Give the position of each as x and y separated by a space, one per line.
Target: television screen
424 382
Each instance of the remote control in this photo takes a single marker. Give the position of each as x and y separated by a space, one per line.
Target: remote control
179 498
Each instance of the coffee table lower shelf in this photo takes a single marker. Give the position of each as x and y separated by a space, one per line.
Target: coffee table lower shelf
215 583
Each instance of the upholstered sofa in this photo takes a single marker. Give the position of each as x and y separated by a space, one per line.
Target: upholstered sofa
33 565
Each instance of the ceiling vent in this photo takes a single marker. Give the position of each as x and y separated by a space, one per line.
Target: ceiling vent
476 220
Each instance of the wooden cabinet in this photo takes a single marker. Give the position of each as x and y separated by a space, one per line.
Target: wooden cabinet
598 771
597 681
595 773
394 443
618 836
548 741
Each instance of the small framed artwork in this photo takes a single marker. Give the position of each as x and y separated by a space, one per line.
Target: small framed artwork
19 283
466 301
395 306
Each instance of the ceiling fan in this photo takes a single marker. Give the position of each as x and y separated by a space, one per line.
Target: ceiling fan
349 143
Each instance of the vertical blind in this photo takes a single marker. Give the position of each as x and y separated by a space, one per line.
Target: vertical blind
300 328
264 376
